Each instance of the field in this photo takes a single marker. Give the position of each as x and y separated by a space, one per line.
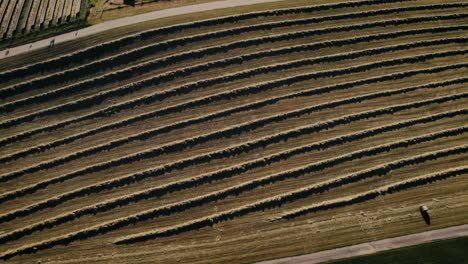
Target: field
22 17
246 137
447 251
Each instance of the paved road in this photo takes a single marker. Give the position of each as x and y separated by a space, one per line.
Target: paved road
375 246
127 21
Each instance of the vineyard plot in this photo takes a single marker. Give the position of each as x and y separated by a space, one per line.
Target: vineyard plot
18 17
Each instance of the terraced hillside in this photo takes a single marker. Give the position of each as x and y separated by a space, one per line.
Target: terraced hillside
240 138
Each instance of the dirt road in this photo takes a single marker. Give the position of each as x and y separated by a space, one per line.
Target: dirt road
125 22
375 246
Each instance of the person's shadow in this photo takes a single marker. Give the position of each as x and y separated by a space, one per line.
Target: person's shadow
425 215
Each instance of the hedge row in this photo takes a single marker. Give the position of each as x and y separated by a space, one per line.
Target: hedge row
242 148
268 203
246 107
169 76
255 55
192 225
197 181
244 91
120 91
230 131
129 56
229 95
283 66
236 129
389 189
104 48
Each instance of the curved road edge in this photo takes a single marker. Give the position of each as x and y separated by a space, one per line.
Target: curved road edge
374 246
121 22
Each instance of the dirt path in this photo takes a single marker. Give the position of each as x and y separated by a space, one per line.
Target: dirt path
125 22
375 246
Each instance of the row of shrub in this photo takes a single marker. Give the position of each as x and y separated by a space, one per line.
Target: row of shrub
120 91
277 201
203 222
129 56
221 154
26 134
230 131
273 84
210 177
228 215
366 196
225 113
123 74
98 51
204 83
